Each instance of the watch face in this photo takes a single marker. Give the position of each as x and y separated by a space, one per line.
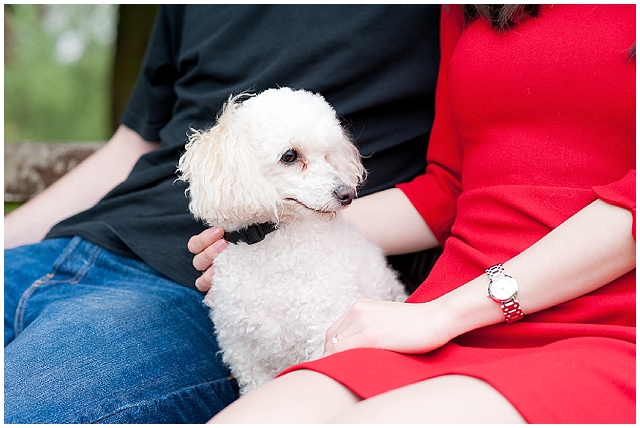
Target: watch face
503 288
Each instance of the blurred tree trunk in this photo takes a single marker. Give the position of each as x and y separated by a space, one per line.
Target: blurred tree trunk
8 33
135 23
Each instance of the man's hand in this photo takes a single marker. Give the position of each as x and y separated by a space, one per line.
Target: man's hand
206 246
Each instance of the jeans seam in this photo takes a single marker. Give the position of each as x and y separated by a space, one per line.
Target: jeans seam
48 280
142 402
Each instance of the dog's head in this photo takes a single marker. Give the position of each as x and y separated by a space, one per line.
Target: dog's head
274 156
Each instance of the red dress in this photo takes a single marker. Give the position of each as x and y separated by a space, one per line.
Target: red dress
531 126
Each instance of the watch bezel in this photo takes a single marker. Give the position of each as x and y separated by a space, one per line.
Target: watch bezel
492 288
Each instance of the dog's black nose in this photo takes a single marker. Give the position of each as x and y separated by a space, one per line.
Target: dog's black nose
344 195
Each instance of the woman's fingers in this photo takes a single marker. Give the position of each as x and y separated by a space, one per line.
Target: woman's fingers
395 326
345 333
330 339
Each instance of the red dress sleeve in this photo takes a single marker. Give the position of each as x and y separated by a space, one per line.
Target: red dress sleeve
621 193
434 193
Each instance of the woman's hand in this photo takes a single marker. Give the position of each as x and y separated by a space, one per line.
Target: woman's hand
206 246
592 248
402 327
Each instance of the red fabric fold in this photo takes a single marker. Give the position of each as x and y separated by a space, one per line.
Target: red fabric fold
621 193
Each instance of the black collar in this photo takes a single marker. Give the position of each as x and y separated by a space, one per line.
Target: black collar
250 234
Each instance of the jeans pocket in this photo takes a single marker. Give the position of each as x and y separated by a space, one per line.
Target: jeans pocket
69 268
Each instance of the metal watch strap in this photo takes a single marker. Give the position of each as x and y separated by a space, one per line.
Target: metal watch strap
510 308
495 271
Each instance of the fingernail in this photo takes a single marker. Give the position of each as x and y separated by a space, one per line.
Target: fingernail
220 245
217 233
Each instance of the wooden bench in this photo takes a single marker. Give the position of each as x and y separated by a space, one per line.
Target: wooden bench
31 167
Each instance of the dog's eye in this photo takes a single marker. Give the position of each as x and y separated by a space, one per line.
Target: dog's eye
290 156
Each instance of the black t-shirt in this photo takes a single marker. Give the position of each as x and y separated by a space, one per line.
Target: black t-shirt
376 64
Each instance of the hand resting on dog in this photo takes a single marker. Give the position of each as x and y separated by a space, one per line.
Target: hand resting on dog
205 247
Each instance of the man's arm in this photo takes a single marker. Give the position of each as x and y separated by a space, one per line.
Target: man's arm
78 190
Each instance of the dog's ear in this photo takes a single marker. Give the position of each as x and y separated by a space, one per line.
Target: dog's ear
226 184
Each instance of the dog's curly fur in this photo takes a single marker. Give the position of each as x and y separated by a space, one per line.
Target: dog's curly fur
272 302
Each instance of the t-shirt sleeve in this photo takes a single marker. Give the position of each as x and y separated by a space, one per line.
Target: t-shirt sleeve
621 193
434 193
153 97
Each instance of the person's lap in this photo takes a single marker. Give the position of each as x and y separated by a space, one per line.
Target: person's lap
305 396
105 339
440 400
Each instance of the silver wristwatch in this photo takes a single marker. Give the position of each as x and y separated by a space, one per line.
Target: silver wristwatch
504 289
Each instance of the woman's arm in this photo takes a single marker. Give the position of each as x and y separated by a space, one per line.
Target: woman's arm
589 250
78 190
389 219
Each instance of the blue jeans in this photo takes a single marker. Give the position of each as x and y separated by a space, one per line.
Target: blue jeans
93 337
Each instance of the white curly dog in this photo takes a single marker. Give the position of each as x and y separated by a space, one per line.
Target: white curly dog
274 172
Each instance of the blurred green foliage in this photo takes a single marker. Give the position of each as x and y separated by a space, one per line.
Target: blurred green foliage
57 72
10 206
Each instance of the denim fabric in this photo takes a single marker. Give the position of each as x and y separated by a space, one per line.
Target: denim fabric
93 337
